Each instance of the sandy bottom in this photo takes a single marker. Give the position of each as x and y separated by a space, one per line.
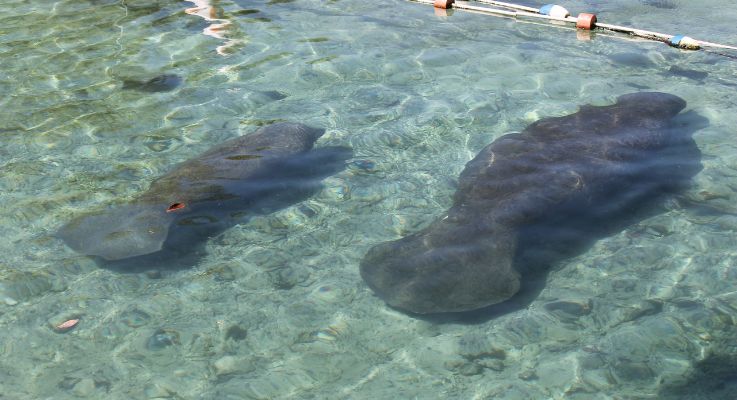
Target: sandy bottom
275 308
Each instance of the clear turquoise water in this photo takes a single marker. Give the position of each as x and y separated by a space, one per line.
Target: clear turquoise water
277 308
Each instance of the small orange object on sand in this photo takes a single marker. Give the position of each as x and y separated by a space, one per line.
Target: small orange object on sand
175 206
67 325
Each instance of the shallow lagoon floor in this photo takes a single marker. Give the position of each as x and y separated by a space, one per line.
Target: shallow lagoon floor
276 308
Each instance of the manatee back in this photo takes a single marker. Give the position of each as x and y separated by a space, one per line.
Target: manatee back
588 154
276 140
234 165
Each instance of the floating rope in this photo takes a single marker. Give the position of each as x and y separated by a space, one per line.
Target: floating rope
585 21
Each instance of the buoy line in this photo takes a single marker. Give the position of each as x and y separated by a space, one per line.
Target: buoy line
584 21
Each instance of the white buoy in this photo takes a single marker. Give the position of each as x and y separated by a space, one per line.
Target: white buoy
689 43
554 11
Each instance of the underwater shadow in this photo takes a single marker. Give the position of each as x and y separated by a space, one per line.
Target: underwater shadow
714 378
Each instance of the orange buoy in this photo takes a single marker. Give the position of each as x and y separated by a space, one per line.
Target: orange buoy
175 206
586 21
444 4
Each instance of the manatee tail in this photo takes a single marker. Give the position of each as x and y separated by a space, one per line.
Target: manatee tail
299 177
320 162
131 85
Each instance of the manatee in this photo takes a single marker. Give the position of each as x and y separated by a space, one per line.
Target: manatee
675 70
161 83
600 162
258 173
632 59
664 4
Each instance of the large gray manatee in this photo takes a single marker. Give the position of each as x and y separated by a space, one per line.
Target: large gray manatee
598 161
257 173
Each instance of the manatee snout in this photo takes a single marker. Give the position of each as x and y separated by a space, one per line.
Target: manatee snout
431 273
118 232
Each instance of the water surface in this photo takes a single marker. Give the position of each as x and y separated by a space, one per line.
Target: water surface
276 307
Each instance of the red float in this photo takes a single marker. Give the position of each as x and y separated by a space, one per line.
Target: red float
586 21
444 4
